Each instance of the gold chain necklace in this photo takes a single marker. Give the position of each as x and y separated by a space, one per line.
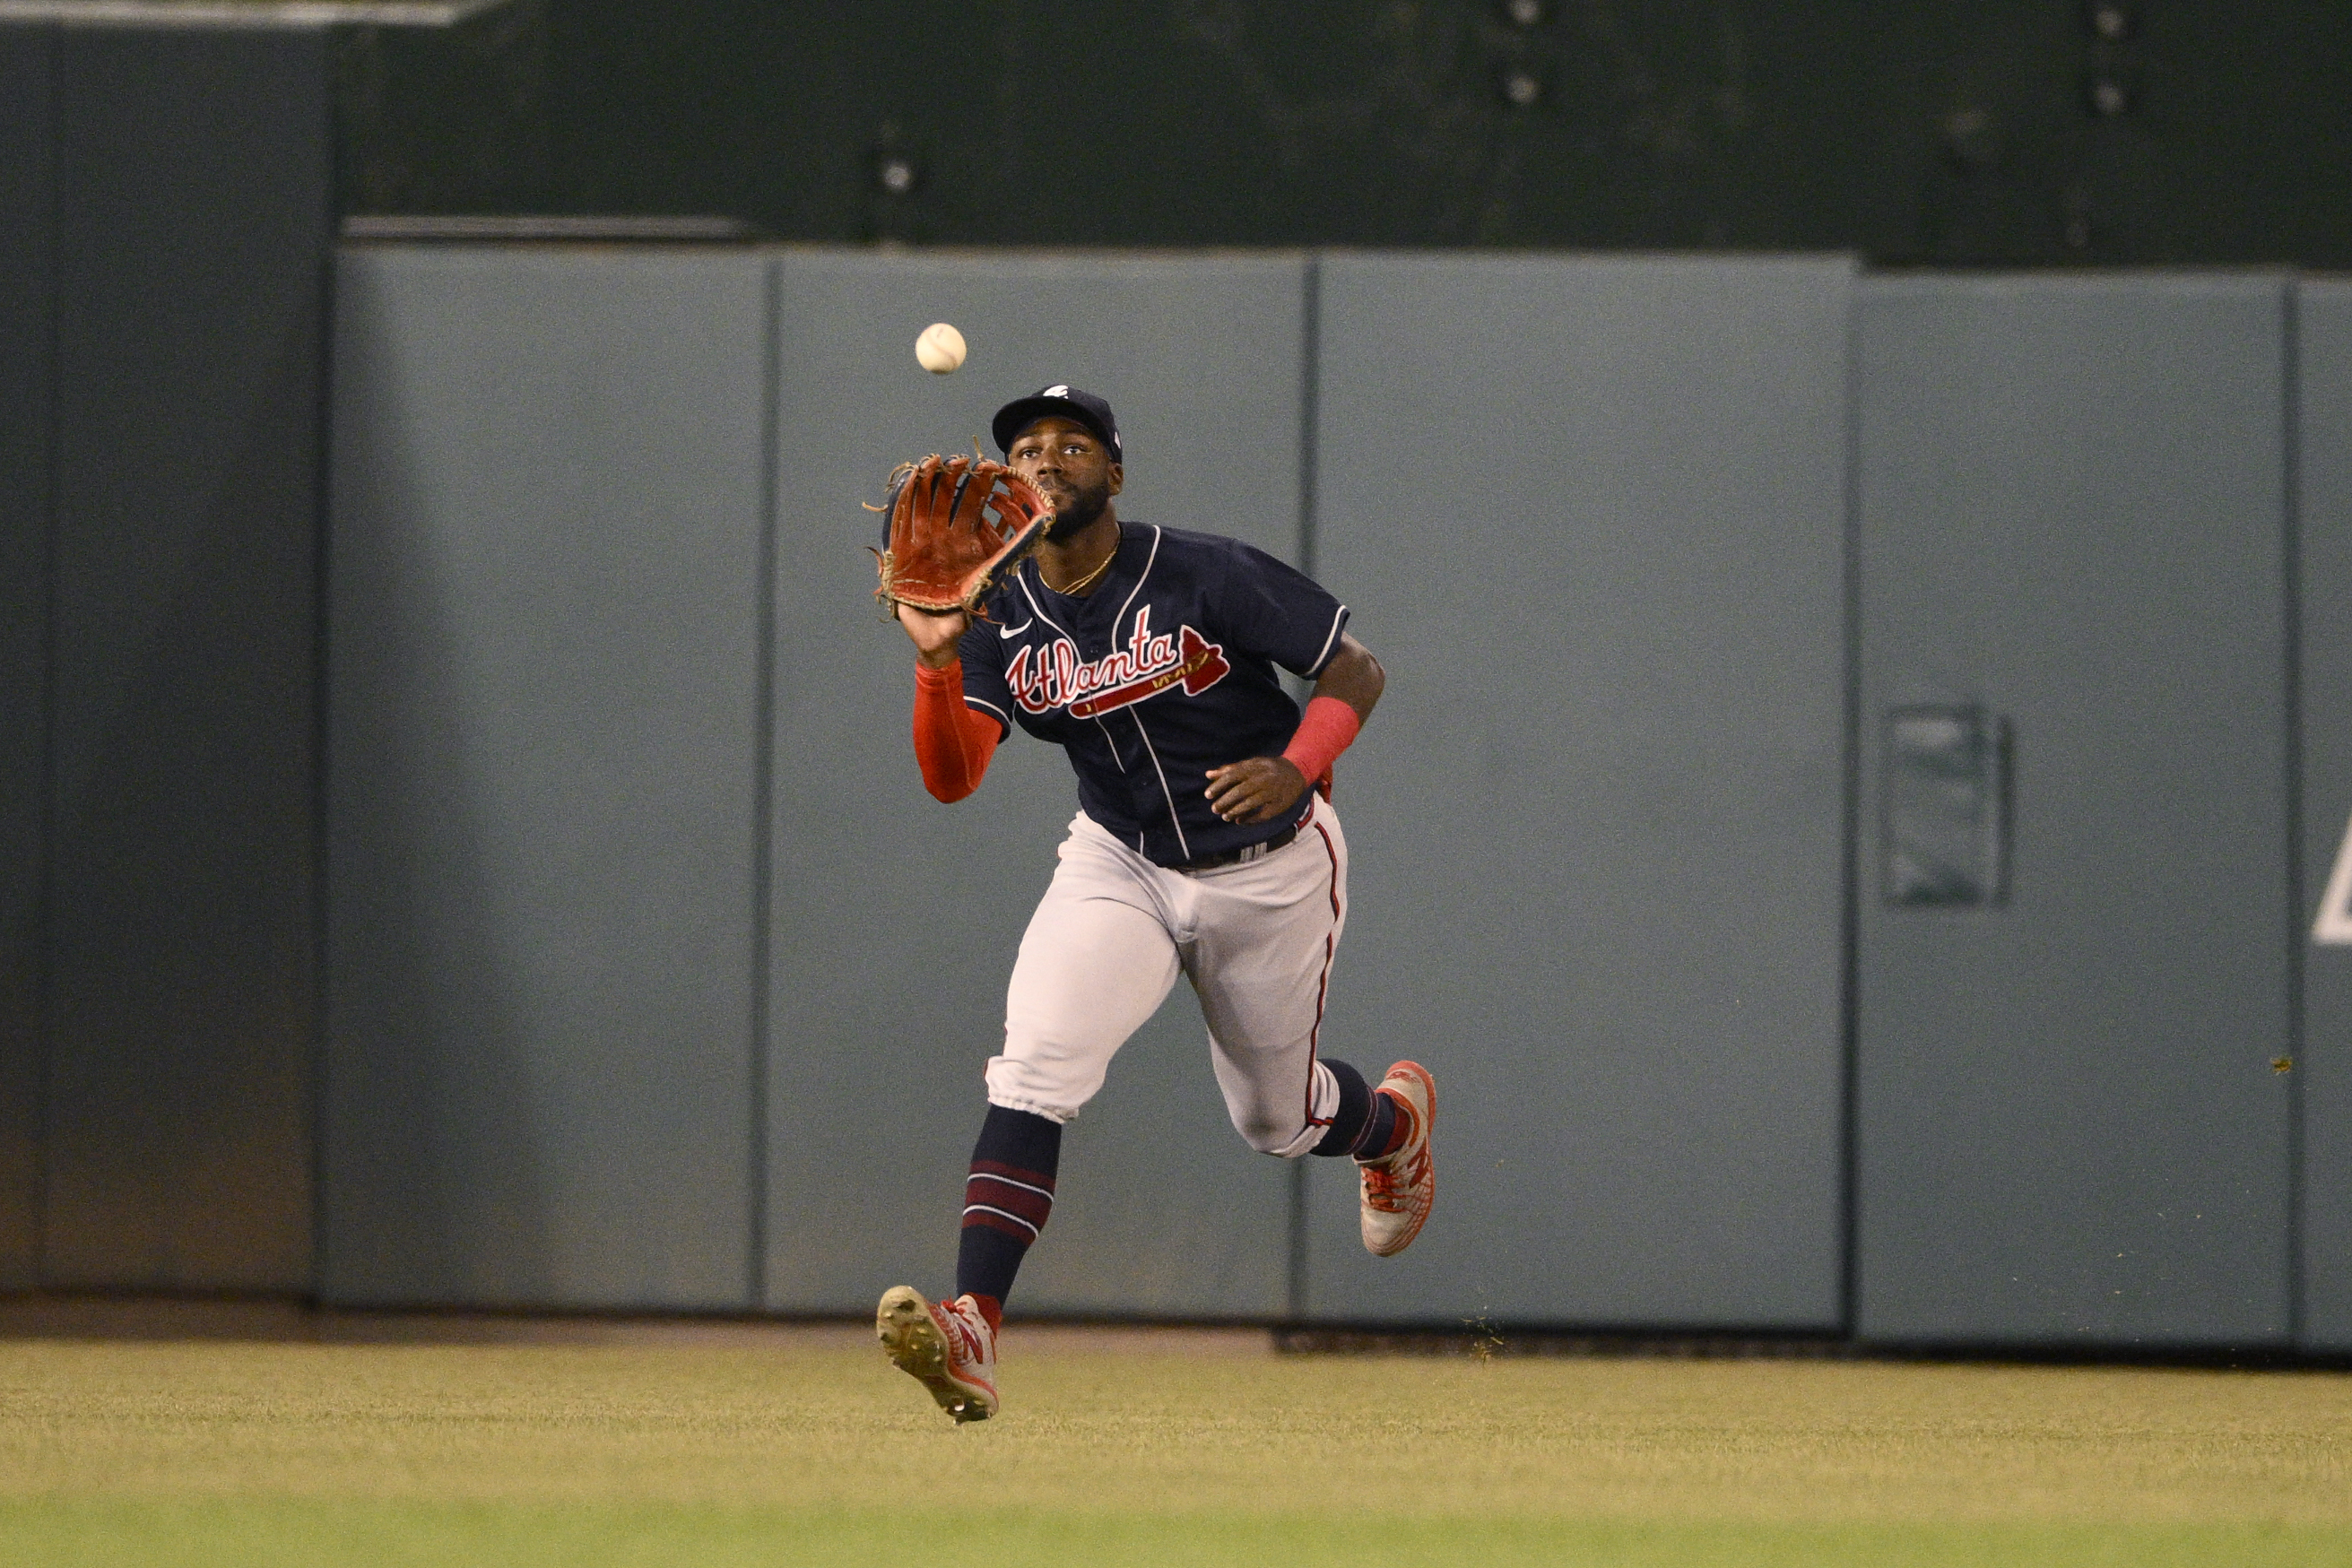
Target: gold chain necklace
1084 582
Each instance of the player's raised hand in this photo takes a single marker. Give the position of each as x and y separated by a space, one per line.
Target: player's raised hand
935 634
1255 790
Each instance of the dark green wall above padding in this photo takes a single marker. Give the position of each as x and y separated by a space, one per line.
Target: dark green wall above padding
27 314
165 210
1951 132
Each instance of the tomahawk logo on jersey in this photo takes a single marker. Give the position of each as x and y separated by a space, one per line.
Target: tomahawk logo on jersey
1165 671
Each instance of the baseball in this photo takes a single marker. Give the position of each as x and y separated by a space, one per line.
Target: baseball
940 349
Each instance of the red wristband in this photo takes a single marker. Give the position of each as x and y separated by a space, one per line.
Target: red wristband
1326 729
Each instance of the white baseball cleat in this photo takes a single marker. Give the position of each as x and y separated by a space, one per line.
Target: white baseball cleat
1398 1188
946 1346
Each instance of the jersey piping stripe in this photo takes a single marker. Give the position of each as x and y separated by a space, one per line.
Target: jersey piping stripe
1184 847
1136 589
1001 716
1021 577
1337 621
1023 580
1323 986
1001 1214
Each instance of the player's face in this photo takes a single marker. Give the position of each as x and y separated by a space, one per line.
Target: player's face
1071 468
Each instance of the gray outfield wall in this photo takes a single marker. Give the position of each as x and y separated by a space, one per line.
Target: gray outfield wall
2323 494
2071 515
1591 515
536 1089
656 981
548 478
893 919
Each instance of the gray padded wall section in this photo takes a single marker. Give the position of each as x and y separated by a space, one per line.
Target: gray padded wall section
547 518
2324 1063
192 181
26 142
897 919
1590 514
2071 512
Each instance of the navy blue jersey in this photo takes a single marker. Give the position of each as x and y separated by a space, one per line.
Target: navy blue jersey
1163 672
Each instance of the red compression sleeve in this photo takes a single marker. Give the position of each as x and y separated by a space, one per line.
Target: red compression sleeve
952 742
1326 729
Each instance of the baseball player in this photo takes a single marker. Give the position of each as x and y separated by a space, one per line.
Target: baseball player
1204 845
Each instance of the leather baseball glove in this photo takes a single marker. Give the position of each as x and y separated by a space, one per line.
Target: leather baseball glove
954 526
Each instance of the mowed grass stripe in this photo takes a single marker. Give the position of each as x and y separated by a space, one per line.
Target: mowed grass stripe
814 1451
318 1533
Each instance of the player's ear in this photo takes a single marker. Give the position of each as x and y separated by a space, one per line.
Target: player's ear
1118 477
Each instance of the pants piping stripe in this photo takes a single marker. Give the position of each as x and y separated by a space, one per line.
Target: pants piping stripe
1323 986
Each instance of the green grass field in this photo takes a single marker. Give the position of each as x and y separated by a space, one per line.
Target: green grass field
1133 1448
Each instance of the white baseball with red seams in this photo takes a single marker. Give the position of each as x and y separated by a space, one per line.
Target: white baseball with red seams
940 349
1256 940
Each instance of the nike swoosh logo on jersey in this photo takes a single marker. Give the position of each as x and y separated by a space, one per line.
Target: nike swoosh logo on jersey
1010 632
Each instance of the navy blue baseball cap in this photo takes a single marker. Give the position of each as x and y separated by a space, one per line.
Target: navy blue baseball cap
1065 401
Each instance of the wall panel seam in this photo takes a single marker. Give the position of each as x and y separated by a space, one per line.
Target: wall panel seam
1849 901
2290 674
764 761
1311 336
321 564
45 895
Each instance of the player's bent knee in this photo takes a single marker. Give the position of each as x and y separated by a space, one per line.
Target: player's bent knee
1011 1085
1281 1136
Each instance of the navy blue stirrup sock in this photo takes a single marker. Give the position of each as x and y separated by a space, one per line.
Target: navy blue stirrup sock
1347 1128
1379 1129
1366 1118
1007 1199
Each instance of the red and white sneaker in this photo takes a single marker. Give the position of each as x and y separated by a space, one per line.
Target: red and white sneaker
948 1347
1398 1188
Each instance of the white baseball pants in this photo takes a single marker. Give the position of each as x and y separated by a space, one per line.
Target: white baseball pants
1256 939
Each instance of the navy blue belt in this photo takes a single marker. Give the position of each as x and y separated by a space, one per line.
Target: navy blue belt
1235 857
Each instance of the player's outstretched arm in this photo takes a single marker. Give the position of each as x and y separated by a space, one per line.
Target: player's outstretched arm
1259 789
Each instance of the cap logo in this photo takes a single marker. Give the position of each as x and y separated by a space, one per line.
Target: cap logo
1054 391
